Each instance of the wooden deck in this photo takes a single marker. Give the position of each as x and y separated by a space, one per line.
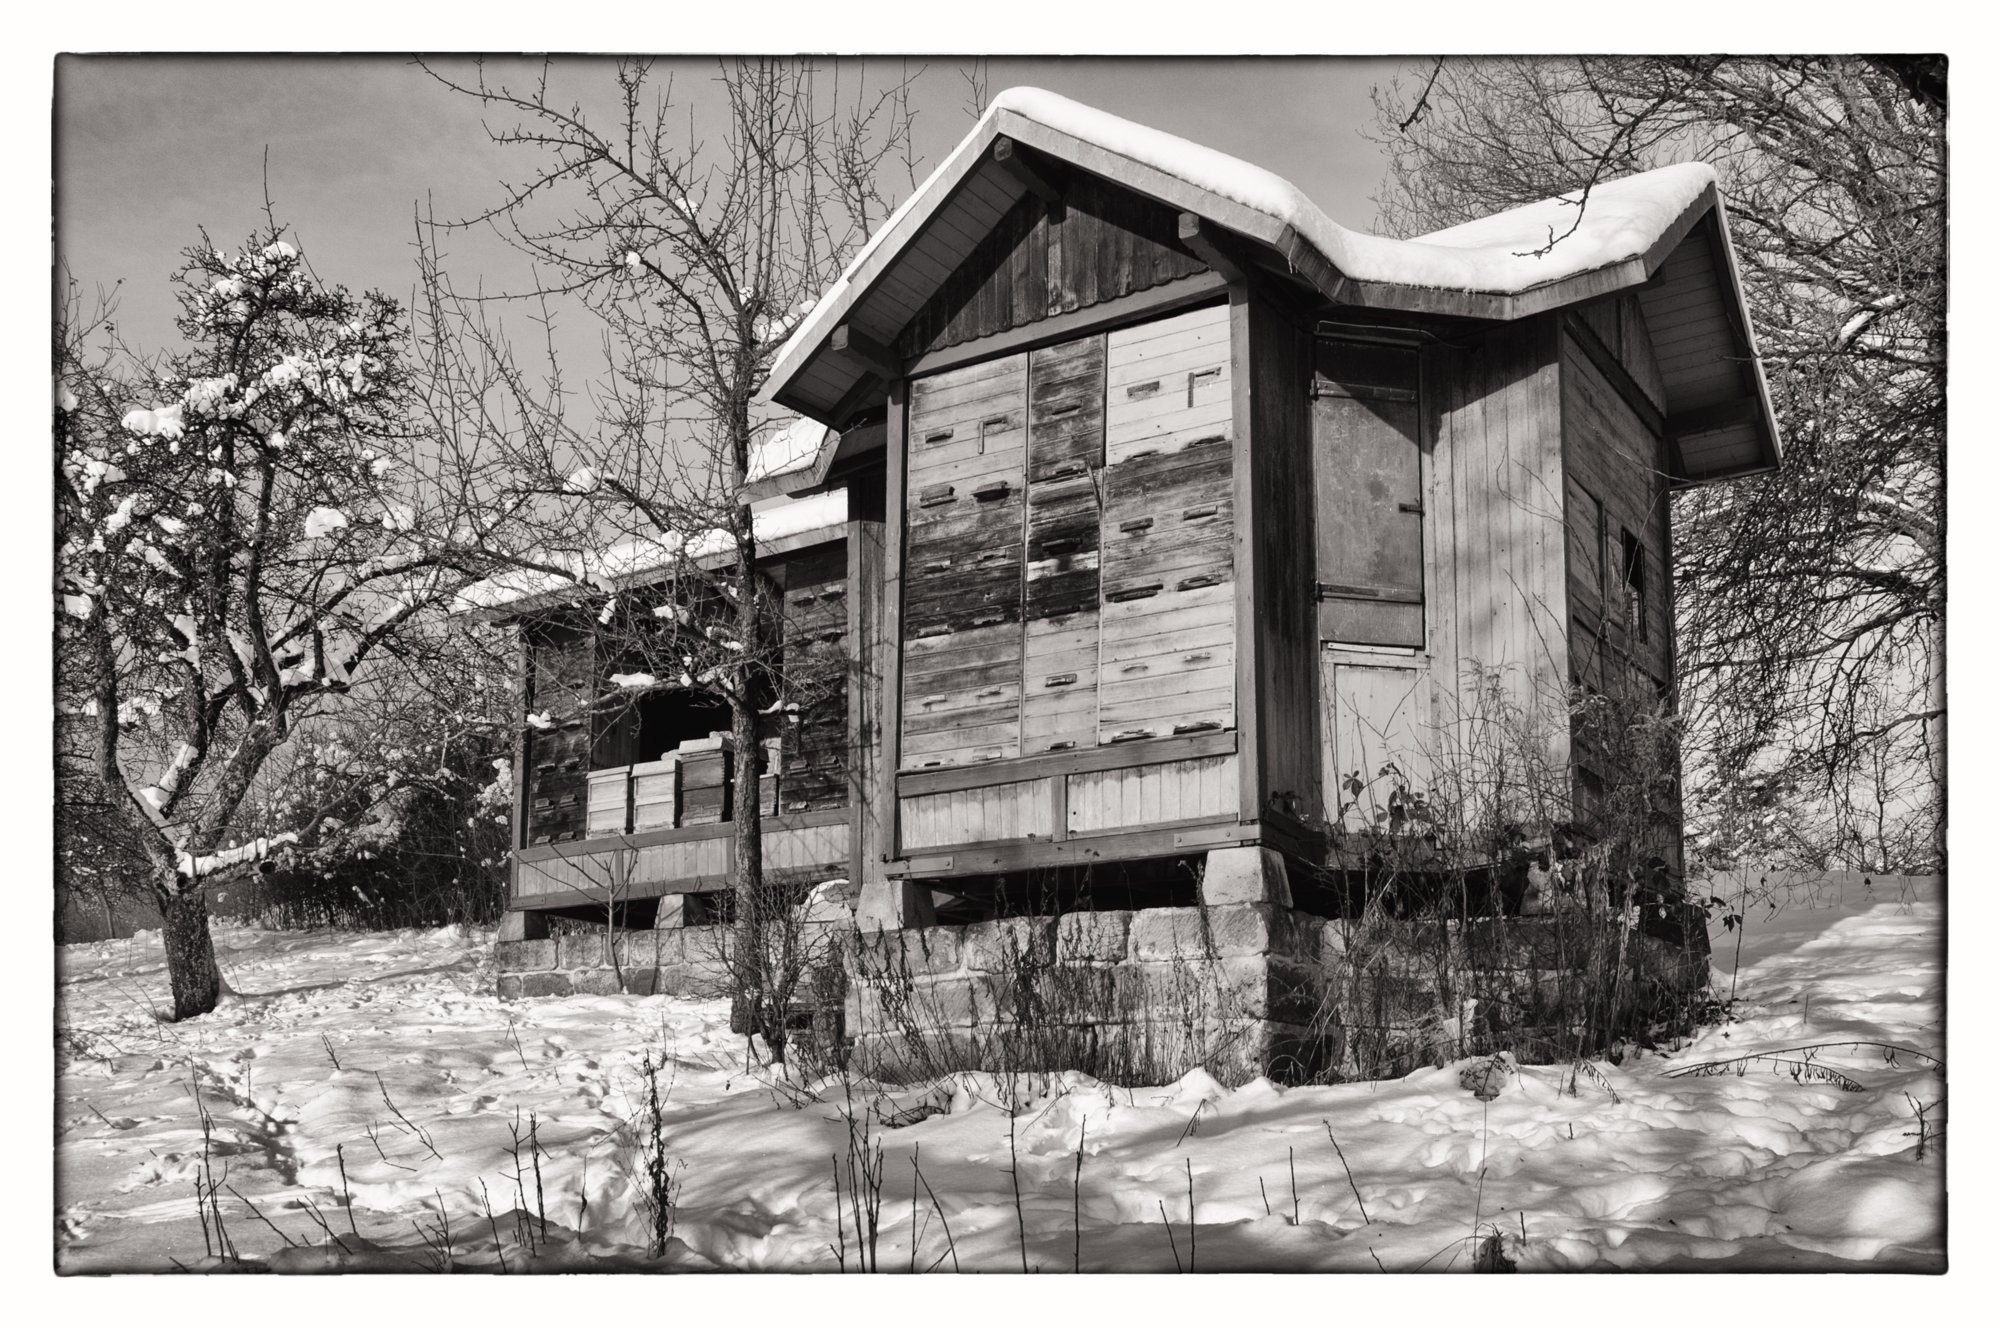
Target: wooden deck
662 862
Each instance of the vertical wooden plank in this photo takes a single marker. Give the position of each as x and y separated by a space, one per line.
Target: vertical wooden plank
868 824
889 643
1249 710
1086 239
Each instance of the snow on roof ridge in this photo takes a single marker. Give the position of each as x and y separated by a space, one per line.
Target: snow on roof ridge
625 559
1494 254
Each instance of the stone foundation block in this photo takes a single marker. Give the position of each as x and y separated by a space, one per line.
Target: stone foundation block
643 981
670 947
993 947
594 982
914 952
693 981
1094 937
545 984
637 948
581 950
524 956
1166 933
1246 874
508 986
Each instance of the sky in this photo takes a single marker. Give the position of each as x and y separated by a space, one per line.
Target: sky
149 150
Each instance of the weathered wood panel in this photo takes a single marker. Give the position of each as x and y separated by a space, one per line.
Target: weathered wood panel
1102 244
1369 494
1065 521
1496 522
962 582
1168 385
962 696
1383 746
979 815
1614 460
1198 789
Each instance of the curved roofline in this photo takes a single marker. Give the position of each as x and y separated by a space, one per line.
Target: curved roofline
1502 267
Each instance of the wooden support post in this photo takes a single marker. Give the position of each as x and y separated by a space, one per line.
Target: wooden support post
886 903
1249 705
868 825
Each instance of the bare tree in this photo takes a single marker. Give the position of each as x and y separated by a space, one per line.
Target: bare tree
1810 601
698 247
245 527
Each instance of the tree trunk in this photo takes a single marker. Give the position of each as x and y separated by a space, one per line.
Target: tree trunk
197 982
752 899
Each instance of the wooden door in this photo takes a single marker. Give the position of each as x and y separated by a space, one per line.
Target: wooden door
1368 487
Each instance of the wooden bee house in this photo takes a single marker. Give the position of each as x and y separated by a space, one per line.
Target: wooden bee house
1194 506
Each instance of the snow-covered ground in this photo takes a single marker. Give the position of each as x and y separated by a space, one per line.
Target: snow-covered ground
388 1055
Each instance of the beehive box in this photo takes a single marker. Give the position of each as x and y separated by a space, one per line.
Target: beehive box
707 767
609 806
653 795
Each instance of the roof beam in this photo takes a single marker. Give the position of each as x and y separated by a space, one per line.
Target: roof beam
1008 157
854 344
1311 264
1710 418
1212 249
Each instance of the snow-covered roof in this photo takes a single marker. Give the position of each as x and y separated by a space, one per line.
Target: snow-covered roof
1498 267
779 527
786 449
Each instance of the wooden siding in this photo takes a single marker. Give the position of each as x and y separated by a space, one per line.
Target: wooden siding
1381 740
1102 243
1619 324
1494 520
1204 788
1612 460
995 813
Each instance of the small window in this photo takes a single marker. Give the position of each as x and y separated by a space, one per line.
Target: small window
1632 563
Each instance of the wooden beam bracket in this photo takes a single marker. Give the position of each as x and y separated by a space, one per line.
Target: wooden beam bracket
867 352
1008 157
1213 249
